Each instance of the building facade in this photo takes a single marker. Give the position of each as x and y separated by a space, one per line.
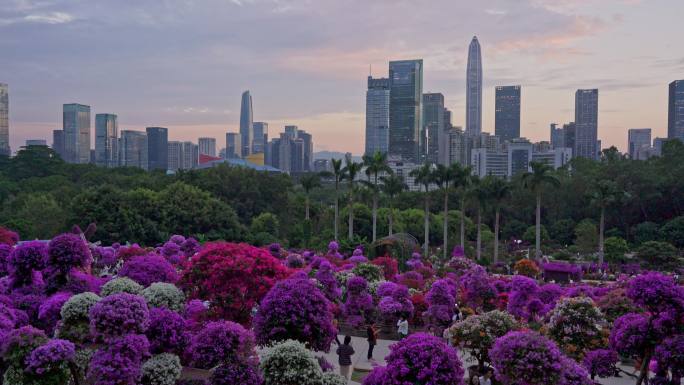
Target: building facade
190 157
133 149
106 140
157 148
638 139
233 145
675 111
246 123
507 112
377 115
58 142
474 89
260 133
405 110
36 142
4 120
207 146
586 124
175 155
76 125
433 127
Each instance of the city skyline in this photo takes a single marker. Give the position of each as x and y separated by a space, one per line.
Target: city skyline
581 44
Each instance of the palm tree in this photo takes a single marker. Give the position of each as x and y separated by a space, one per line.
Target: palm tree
498 190
535 180
442 176
351 169
605 194
339 174
375 164
479 193
309 182
392 185
462 179
423 175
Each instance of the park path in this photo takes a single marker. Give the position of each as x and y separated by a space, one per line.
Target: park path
361 365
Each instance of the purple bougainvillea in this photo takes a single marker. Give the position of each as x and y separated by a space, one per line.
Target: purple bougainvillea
441 300
221 342
25 259
326 278
167 332
48 357
49 311
358 306
526 358
601 363
119 362
68 251
149 269
234 373
119 314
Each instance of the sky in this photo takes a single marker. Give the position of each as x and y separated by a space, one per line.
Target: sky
183 64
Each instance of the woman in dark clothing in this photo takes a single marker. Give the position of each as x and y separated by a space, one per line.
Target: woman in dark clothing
345 351
372 338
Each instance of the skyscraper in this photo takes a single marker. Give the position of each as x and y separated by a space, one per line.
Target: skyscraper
58 142
207 146
106 140
175 153
233 145
474 89
507 112
433 127
675 111
246 123
586 124
133 149
190 156
637 138
158 148
76 124
4 120
405 109
377 115
260 131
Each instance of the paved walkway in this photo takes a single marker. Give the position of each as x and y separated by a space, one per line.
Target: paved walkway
362 366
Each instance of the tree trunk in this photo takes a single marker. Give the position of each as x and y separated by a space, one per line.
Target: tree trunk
463 224
391 216
479 232
427 225
602 225
537 230
351 215
337 210
375 215
446 223
306 215
643 372
496 235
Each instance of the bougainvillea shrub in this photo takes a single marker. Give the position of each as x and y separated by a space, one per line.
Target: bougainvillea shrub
526 358
220 342
601 363
295 309
358 306
118 315
148 269
476 334
232 277
576 325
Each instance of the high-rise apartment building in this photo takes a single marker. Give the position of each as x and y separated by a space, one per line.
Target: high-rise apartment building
207 146
133 149
76 125
246 123
233 145
190 155
4 120
377 115
433 127
638 139
292 152
507 112
157 148
456 149
175 155
586 124
675 111
58 142
474 89
406 99
260 132
106 140
519 156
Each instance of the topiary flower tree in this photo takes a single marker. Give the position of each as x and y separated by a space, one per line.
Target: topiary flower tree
119 362
121 285
295 309
75 317
167 332
221 342
16 350
236 373
291 363
358 306
65 252
160 294
476 290
669 358
8 237
576 324
328 283
25 261
119 315
49 311
149 269
49 364
527 267
371 272
396 305
162 369
233 277
601 363
419 359
441 300
523 291
477 333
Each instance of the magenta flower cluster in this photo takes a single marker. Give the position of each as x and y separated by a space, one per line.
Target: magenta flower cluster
149 269
221 342
118 315
47 357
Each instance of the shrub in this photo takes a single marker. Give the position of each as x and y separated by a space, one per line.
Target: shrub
119 314
166 332
149 269
162 369
68 251
24 260
234 373
233 277
615 304
389 266
477 333
8 237
527 267
523 291
221 342
358 307
575 324
328 282
49 363
49 311
121 285
601 363
659 255
441 300
526 358
77 308
160 294
370 272
397 305
295 309
290 363
119 362
475 288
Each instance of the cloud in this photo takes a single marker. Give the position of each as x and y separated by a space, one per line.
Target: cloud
50 18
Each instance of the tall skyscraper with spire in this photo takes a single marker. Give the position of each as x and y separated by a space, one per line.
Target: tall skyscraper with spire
246 123
474 89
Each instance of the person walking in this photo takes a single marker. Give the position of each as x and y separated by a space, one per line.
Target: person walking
345 352
372 337
486 379
402 327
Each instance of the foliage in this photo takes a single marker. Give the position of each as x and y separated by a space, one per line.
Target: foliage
221 342
656 254
234 373
149 269
160 294
576 325
526 358
49 363
167 331
162 369
121 285
358 307
119 362
295 309
233 277
586 236
441 300
118 315
370 272
290 363
601 363
477 333
615 248
527 267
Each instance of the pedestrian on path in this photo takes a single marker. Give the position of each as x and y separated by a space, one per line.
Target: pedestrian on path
402 327
345 352
372 337
486 379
